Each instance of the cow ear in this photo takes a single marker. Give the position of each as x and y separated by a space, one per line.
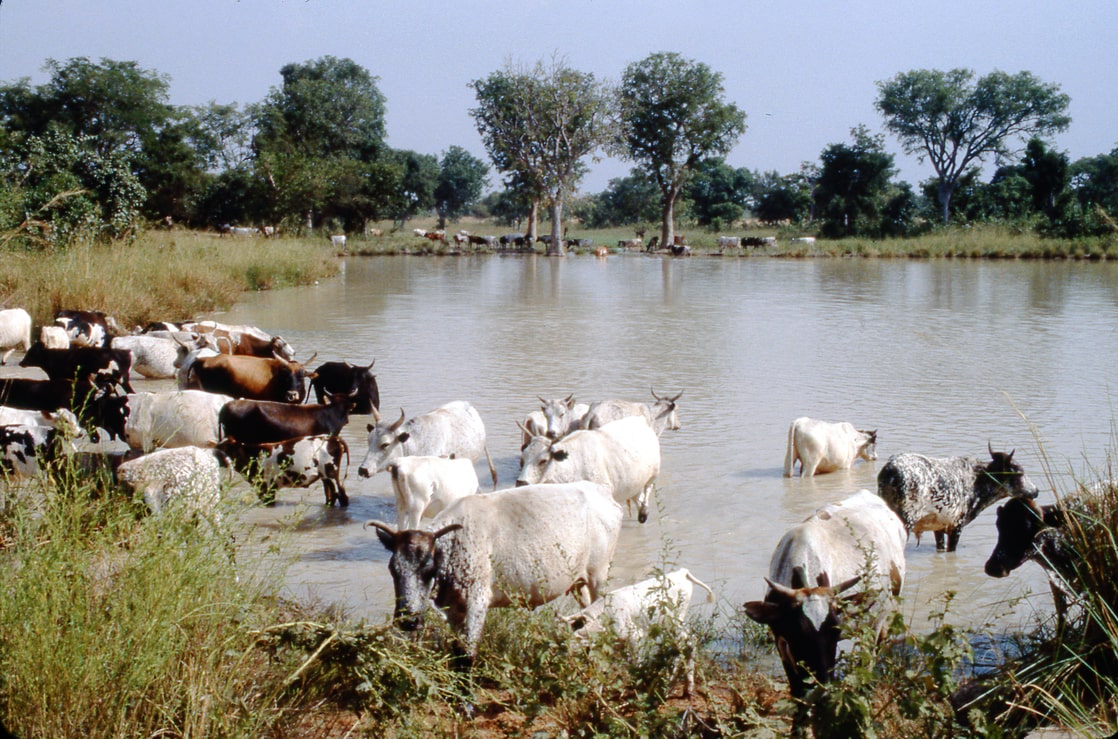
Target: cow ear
559 455
762 612
403 437
369 427
385 533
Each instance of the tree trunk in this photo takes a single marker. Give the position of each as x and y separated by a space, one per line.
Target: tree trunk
667 218
556 248
533 219
944 191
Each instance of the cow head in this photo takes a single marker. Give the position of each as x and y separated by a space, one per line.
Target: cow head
805 622
413 566
1020 520
1002 477
535 459
664 416
104 410
557 413
867 445
385 439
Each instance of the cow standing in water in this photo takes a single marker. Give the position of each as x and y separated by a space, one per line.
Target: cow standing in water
820 446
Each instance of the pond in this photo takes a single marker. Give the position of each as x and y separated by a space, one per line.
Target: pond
941 357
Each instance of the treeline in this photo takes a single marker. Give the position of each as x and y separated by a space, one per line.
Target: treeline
98 151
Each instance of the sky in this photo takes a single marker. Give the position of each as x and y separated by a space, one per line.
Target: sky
805 72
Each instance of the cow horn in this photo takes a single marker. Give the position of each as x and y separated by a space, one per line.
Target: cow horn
371 364
541 399
376 415
676 397
846 585
783 590
569 400
311 358
447 530
653 389
523 428
399 423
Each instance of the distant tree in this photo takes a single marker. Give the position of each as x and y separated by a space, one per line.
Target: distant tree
1046 171
462 177
672 116
1094 180
538 125
789 198
418 179
719 194
509 207
853 185
626 200
955 122
326 114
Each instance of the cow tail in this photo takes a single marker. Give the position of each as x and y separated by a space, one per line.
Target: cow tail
492 469
790 455
703 585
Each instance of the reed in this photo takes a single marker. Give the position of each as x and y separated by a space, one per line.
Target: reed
161 276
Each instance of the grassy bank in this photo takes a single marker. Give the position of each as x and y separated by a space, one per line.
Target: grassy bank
163 276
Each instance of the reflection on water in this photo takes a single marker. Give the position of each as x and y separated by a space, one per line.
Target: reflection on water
942 357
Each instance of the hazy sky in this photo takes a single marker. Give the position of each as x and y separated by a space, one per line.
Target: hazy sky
805 73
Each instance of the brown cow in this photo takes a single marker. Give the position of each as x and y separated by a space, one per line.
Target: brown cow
255 378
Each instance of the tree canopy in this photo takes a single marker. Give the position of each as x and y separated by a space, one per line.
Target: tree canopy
955 121
461 180
672 115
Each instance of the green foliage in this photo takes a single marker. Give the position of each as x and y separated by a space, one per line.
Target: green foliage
461 180
851 192
672 116
719 194
627 200
954 121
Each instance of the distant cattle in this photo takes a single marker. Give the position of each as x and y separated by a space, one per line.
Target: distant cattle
651 610
804 240
338 242
623 455
451 430
630 244
515 239
354 380
294 463
942 495
1028 531
820 446
425 486
261 421
729 242
15 331
815 564
521 546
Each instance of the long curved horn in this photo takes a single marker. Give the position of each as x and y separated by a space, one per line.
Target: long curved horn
676 397
447 529
783 590
653 390
376 415
371 364
399 423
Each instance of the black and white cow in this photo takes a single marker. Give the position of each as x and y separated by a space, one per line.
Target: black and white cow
944 494
294 463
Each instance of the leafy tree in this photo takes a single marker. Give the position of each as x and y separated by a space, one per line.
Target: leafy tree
538 126
1094 180
852 188
672 117
955 122
509 206
1046 171
326 114
626 200
719 194
785 198
419 176
461 180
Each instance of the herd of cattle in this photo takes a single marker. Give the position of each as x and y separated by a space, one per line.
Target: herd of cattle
242 404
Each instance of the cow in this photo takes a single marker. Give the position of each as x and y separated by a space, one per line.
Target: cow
515 239
635 613
820 446
451 430
626 244
36 395
817 563
556 418
482 240
804 240
108 366
54 337
254 378
337 241
88 327
357 381
942 495
729 242
156 357
624 455
525 546
173 418
661 414
262 421
1029 531
189 479
15 331
294 463
25 450
62 419
425 486
243 339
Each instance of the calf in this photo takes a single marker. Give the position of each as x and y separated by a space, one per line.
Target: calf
820 446
656 606
15 331
521 546
294 463
832 546
426 485
942 495
1029 531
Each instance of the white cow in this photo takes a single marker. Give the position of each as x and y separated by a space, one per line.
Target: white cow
188 478
555 418
729 242
173 419
660 414
61 419
820 446
156 357
525 546
814 563
426 485
338 241
634 611
15 331
451 430
26 449
54 337
624 454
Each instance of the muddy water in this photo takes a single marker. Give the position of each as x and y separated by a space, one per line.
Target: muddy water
941 357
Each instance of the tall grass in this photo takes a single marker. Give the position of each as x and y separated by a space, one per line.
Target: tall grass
161 276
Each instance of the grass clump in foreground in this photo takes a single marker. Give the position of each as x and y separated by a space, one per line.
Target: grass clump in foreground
161 276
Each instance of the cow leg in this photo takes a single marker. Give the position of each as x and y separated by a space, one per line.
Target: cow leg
953 539
4 359
808 467
940 545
